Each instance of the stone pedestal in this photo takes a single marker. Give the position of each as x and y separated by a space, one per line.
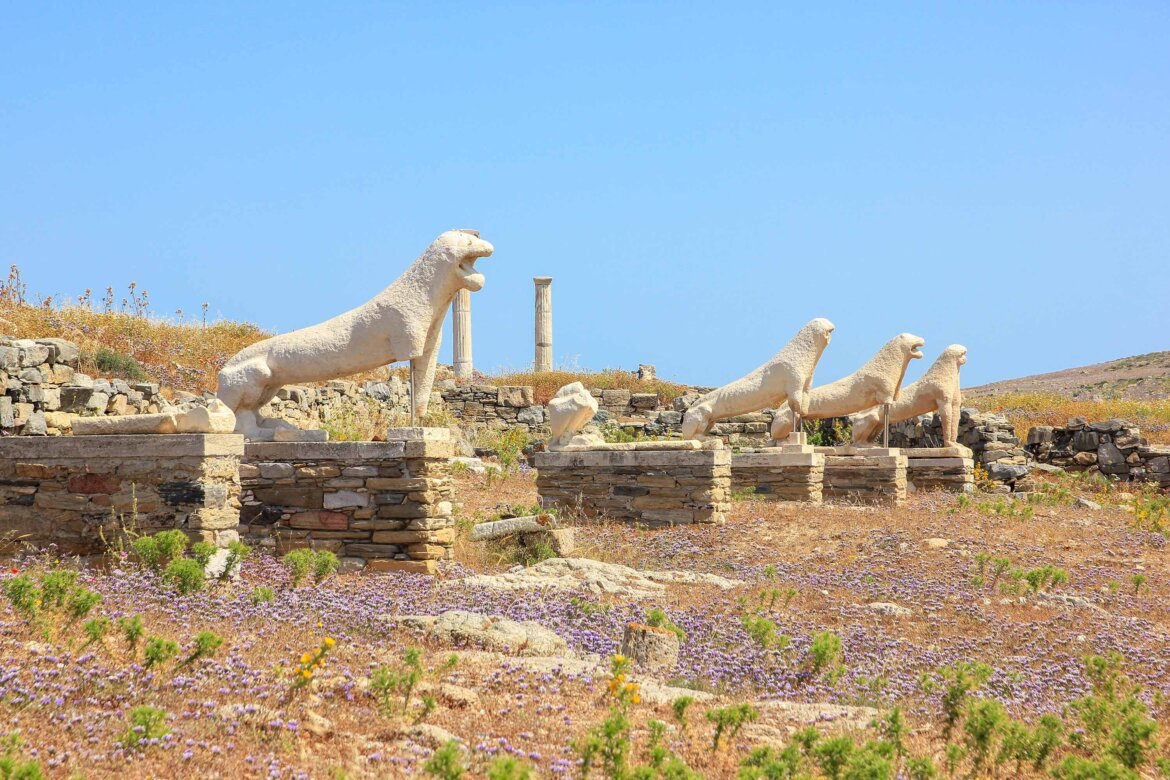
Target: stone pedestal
70 491
776 472
385 505
655 483
867 475
951 469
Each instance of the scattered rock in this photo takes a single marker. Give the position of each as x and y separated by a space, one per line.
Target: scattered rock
890 609
1085 503
779 719
1068 600
317 724
936 543
499 634
458 696
598 577
650 648
430 735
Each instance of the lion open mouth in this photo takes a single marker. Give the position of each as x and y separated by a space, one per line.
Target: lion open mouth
916 350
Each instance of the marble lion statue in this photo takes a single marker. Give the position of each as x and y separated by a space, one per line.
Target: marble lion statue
875 383
403 322
937 391
786 377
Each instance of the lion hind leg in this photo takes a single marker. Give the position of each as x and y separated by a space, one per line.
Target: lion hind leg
697 422
783 424
244 388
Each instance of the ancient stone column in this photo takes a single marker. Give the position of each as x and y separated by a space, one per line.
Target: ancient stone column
461 334
543 323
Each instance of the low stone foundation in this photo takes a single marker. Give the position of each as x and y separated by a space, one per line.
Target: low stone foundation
655 483
382 506
940 468
864 475
71 491
797 476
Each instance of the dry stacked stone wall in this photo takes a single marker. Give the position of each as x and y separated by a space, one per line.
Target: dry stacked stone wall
382 506
43 390
655 487
1113 447
80 492
784 476
865 479
991 438
927 470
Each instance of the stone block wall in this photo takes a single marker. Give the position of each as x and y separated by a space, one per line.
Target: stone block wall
1112 447
654 487
382 506
991 438
950 473
43 389
72 491
866 479
783 476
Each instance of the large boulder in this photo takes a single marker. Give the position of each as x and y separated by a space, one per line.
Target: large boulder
460 628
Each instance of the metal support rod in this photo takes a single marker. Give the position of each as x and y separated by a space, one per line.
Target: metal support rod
885 425
413 420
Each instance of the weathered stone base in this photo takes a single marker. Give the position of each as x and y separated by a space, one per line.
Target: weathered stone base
385 505
655 486
868 475
70 491
774 473
951 469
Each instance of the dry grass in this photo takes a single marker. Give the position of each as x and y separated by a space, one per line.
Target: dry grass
181 354
1027 410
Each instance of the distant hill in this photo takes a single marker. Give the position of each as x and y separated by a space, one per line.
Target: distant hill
1142 377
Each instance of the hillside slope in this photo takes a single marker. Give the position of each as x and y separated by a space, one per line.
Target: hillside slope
1142 377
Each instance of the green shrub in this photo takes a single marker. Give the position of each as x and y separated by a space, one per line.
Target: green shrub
508 768
202 552
185 574
446 762
729 720
659 619
146 723
263 594
112 363
95 629
132 630
204 646
324 564
13 766
159 651
825 651
299 563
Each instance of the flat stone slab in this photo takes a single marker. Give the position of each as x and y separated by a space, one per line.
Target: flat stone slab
596 576
958 451
850 450
418 433
776 458
643 446
147 445
594 458
492 633
329 450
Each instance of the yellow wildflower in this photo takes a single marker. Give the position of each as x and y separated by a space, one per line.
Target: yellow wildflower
329 641
306 658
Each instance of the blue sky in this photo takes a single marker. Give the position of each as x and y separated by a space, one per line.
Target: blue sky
700 180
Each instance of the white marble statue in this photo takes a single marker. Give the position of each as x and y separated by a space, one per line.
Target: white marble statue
216 417
786 377
875 383
937 391
568 412
403 322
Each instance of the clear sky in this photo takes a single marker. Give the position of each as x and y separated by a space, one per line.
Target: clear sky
700 180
